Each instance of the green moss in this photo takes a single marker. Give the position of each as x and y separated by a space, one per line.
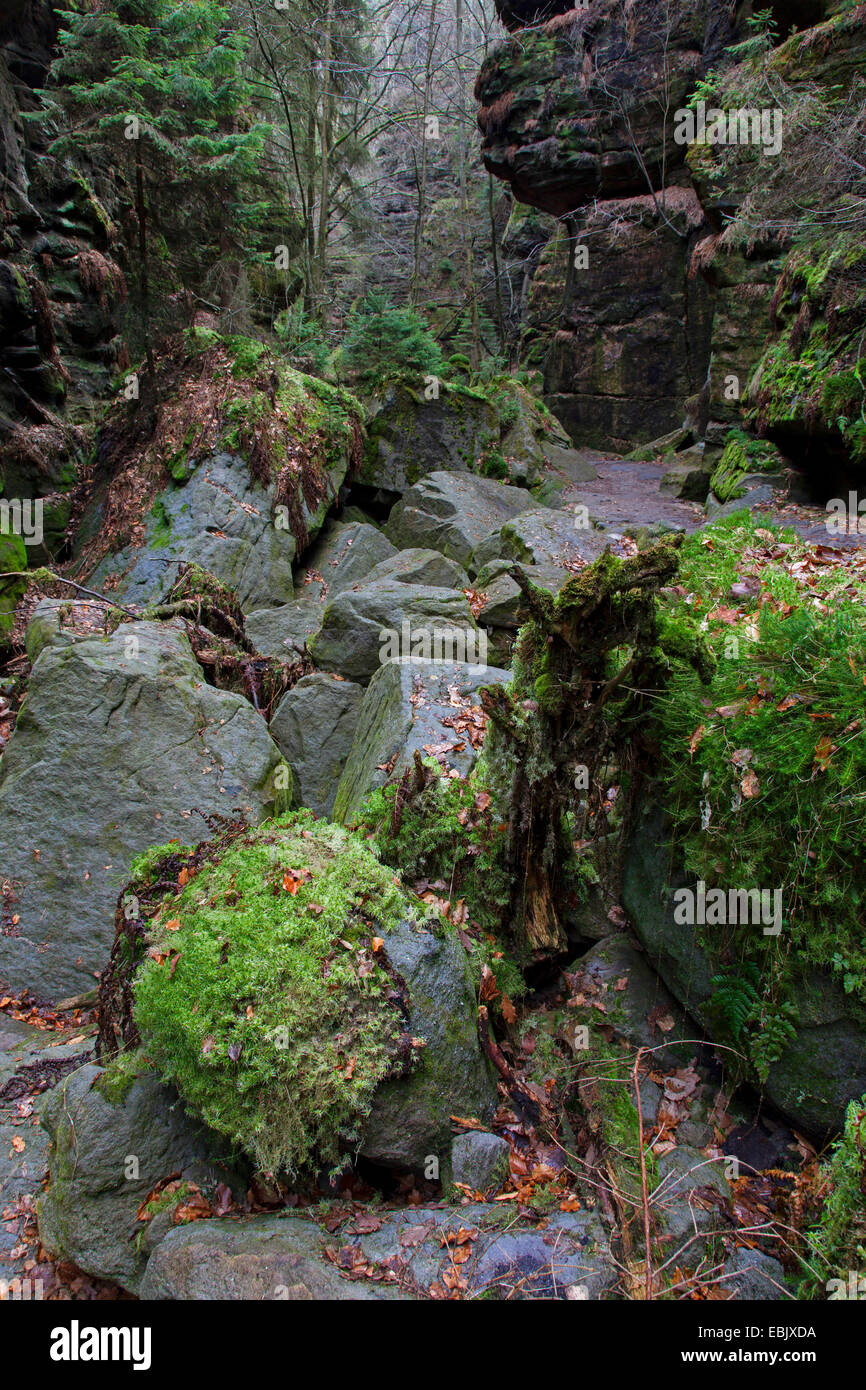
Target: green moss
742 456
785 706
161 534
837 1243
145 867
442 834
449 834
13 559
117 1080
248 353
263 999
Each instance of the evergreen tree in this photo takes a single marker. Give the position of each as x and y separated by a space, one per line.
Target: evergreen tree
382 340
156 89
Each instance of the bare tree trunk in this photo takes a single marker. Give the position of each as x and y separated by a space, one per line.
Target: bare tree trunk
472 298
422 181
324 157
141 215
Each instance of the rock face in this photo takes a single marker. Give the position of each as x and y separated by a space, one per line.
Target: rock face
647 307
565 105
112 1140
120 739
454 513
824 1067
313 728
403 711
630 343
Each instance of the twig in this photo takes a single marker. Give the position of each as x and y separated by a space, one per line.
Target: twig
648 1266
47 576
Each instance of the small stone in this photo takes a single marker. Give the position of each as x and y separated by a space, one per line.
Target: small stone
480 1161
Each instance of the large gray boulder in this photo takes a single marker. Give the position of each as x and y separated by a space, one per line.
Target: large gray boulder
409 435
283 1257
503 603
419 566
119 743
454 513
284 632
824 1067
343 555
221 519
403 712
113 1136
364 627
410 1120
545 537
313 727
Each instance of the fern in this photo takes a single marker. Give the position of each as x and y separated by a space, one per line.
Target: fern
764 1030
736 999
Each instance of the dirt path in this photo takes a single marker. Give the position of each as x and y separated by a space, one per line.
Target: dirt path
626 494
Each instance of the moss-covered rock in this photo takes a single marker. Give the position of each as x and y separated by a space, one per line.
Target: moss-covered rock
411 433
13 559
304 1005
243 460
744 459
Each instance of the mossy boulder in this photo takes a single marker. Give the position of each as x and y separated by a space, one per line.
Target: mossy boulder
745 460
687 476
243 462
412 433
544 536
13 559
305 1005
220 518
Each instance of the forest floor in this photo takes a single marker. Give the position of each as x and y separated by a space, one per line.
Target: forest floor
37 1048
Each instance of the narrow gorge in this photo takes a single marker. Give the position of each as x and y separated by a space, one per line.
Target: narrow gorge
432 652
